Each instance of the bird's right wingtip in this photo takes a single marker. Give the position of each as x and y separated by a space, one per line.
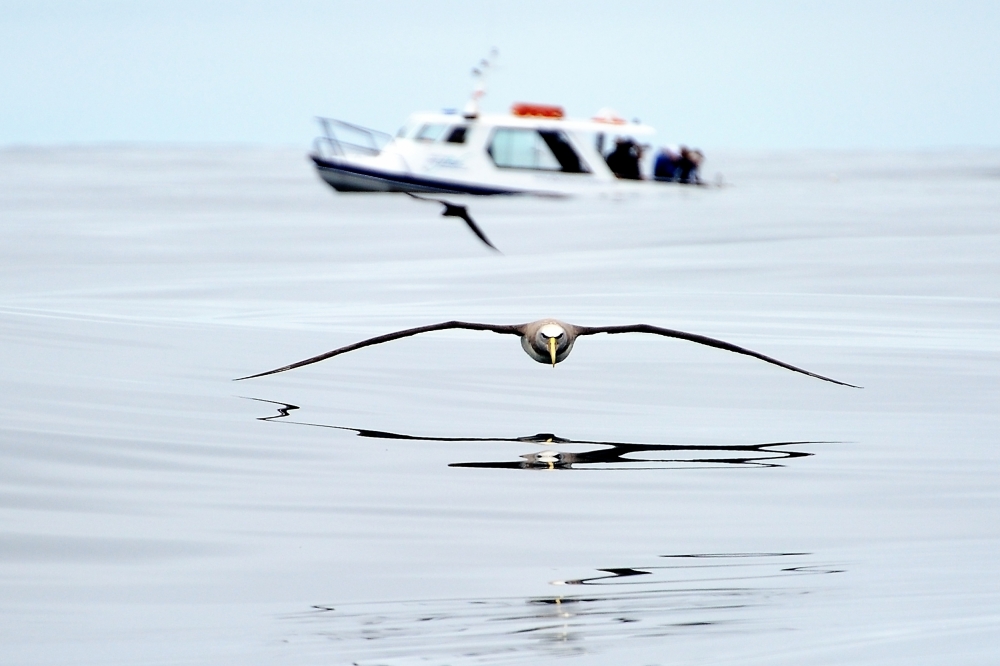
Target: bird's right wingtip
838 382
259 374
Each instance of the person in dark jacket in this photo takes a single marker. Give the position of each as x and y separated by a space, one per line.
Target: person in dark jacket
665 167
687 166
624 159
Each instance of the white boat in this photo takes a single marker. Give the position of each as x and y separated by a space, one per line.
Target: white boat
532 150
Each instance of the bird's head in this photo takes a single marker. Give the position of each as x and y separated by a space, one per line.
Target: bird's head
548 341
548 460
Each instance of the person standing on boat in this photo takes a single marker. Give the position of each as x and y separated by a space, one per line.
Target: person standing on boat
624 159
665 167
687 166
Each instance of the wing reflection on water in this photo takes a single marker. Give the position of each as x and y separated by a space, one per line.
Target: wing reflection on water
677 595
615 455
605 455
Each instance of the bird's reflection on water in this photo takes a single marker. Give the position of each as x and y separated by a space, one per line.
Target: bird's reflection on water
677 594
603 455
669 595
618 455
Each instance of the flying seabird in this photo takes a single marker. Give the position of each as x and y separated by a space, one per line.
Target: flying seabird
547 341
457 210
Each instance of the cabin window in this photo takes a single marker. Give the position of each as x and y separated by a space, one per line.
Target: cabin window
457 134
432 132
545 150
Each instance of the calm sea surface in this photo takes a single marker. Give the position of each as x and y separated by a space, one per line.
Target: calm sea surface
443 499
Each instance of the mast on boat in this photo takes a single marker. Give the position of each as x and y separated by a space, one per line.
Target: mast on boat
471 111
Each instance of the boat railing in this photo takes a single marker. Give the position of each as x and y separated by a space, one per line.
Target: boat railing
341 139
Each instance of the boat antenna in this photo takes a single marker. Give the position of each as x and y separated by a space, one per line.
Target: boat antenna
479 73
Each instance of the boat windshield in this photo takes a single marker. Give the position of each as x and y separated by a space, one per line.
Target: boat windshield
431 132
545 150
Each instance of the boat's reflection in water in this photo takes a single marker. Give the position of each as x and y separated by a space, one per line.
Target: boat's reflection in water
676 595
596 454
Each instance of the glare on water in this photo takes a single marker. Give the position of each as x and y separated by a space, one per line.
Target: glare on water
445 499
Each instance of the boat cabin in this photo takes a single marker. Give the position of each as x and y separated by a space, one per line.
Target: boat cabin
532 150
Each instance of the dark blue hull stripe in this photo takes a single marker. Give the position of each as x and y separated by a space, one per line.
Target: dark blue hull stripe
407 183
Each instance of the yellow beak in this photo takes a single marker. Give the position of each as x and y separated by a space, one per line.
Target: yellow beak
552 350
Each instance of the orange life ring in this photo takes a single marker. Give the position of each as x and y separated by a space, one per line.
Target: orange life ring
609 121
537 110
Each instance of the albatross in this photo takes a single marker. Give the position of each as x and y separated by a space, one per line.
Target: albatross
457 210
547 341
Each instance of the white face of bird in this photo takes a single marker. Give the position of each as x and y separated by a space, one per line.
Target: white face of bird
550 342
552 337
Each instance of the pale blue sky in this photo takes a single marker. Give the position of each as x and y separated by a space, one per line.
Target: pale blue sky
715 74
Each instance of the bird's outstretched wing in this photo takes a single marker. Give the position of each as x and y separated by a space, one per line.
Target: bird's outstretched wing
457 210
514 329
702 340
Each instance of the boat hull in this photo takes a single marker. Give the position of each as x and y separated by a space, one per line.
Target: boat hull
347 177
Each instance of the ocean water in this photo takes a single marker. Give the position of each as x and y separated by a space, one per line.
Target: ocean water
443 499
